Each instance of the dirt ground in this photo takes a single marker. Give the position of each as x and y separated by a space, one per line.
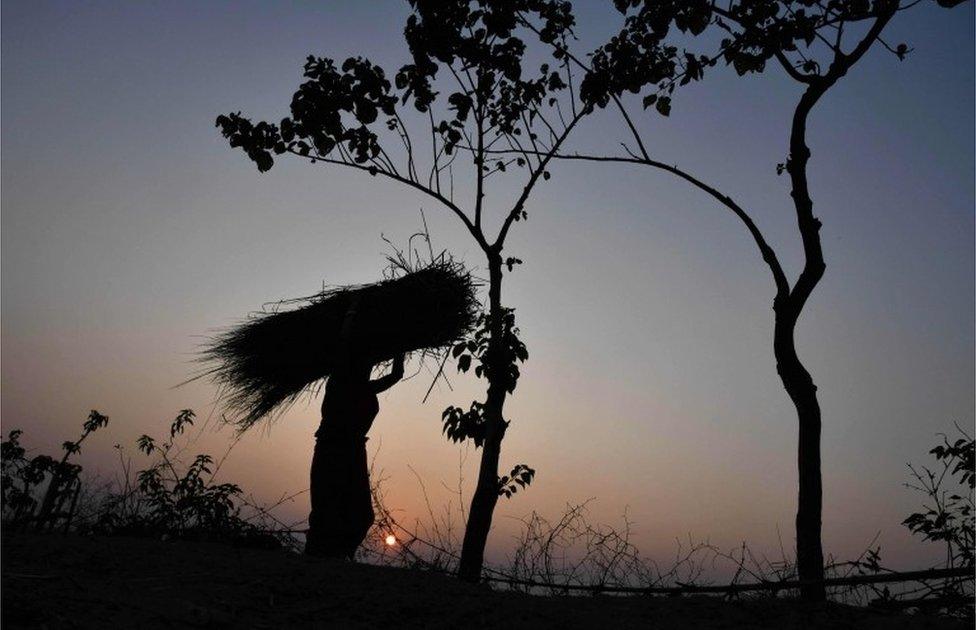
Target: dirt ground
72 582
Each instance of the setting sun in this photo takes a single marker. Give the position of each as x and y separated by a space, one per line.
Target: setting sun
390 539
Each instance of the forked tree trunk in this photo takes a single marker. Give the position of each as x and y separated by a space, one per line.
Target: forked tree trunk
486 493
796 379
799 385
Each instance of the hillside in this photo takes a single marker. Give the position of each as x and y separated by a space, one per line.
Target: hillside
73 582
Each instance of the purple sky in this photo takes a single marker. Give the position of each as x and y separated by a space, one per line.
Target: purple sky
130 229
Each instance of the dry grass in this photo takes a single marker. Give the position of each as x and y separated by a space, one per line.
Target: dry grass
267 362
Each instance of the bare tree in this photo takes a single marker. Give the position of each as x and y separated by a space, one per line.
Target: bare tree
469 94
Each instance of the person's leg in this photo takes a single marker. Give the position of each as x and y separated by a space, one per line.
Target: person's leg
313 539
328 494
360 516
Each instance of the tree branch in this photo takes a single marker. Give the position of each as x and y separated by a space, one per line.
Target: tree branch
520 202
767 252
808 224
475 232
792 71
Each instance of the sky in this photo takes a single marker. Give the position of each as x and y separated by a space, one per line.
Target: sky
130 231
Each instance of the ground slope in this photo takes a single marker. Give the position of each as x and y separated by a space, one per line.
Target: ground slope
72 582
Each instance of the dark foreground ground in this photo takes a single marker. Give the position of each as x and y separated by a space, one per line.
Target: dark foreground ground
69 582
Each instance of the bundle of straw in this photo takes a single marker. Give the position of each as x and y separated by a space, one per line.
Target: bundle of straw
264 364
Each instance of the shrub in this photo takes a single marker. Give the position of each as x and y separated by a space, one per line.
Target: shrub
166 498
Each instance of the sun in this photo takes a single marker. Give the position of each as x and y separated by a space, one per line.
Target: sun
390 540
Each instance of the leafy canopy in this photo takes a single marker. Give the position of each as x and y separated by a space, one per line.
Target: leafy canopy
341 110
806 37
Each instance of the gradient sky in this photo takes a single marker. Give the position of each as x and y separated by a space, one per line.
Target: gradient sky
130 229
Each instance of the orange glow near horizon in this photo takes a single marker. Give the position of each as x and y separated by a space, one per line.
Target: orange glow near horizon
390 540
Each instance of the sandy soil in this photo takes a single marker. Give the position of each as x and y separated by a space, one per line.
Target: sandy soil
71 582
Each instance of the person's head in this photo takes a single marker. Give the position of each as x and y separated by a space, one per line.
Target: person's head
360 370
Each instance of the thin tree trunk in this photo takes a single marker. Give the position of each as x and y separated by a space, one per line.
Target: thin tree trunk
482 506
796 379
486 493
798 382
802 391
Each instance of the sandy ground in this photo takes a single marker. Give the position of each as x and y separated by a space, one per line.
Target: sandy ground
70 582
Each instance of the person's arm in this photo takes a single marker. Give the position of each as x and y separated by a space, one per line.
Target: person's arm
343 351
386 382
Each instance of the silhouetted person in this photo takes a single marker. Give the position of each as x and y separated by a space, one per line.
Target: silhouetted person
342 506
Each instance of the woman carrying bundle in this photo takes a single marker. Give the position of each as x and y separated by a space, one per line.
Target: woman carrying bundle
342 507
269 361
